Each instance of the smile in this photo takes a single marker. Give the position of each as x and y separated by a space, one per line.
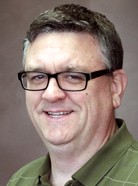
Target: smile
58 114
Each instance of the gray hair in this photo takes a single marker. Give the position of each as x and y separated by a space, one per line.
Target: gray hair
75 18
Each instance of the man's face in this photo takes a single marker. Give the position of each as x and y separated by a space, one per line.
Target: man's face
62 117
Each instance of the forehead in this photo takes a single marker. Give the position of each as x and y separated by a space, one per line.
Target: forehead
63 50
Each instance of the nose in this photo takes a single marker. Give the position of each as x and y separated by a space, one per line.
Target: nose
53 93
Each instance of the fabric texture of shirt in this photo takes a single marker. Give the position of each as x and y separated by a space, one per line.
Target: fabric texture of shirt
115 164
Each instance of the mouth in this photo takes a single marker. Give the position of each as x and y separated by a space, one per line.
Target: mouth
60 114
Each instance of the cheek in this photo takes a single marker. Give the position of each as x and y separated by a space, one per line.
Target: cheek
99 99
32 100
86 94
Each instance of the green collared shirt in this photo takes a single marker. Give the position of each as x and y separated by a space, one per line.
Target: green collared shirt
115 164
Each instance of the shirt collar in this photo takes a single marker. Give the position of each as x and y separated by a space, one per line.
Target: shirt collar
44 171
95 169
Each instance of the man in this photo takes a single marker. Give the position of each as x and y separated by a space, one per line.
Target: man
74 82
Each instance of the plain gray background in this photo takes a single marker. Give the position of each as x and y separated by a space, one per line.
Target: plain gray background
19 142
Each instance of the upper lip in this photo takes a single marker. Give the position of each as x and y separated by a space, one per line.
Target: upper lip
58 111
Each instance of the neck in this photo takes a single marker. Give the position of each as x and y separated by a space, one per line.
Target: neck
65 162
68 158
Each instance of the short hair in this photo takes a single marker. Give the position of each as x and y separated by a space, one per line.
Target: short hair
76 18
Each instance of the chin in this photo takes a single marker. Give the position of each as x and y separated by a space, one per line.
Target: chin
56 140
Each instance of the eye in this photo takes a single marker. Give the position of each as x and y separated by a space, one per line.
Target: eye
74 77
36 77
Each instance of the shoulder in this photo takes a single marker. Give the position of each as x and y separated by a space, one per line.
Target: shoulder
130 158
135 145
28 173
133 151
124 171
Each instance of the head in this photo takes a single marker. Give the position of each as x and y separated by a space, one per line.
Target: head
74 18
73 38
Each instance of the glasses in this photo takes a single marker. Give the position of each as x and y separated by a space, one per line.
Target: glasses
67 81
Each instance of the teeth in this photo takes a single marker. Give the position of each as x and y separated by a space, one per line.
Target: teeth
57 114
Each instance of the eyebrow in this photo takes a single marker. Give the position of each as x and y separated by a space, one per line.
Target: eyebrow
31 68
75 68
69 68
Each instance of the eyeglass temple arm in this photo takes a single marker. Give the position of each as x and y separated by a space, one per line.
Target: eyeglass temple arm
100 73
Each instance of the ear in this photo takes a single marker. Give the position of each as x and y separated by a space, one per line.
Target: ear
119 83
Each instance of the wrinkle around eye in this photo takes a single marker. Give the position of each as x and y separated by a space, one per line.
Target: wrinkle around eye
38 78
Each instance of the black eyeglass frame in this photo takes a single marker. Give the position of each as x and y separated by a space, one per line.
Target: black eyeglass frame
89 76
